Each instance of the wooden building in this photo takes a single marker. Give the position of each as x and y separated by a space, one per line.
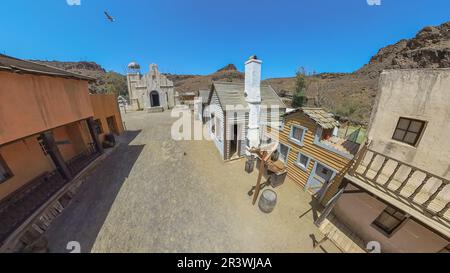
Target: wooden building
228 115
239 113
314 155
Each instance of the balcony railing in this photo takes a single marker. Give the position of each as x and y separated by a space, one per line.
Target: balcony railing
421 190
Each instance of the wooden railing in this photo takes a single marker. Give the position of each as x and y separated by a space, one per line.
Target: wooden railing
431 193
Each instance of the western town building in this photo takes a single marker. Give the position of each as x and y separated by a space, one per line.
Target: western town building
107 117
239 112
311 150
48 134
153 92
201 101
398 191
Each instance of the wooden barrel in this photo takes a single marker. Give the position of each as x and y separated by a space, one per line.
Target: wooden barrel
267 201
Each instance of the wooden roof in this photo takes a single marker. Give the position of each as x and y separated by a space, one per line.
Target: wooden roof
323 118
232 93
15 65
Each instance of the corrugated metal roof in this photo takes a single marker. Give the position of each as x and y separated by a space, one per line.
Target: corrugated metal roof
323 118
232 93
11 64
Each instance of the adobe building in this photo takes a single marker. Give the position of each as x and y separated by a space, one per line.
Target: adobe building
47 134
153 92
107 117
398 191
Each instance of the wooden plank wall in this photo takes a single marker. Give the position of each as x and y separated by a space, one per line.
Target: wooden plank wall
219 114
309 149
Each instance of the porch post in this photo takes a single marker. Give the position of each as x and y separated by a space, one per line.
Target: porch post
328 208
94 135
55 154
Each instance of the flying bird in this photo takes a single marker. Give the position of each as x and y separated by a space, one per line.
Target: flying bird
109 17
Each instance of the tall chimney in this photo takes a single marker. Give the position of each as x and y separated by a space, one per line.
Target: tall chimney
253 98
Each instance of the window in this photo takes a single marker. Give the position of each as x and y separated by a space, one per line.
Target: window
297 134
408 131
302 161
5 172
389 220
325 171
284 152
98 126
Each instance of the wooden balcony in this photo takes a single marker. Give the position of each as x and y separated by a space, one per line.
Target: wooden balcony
421 194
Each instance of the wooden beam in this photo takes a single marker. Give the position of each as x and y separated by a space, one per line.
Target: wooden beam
55 154
329 207
258 182
94 135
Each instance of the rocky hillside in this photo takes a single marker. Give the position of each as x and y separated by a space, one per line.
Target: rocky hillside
349 94
352 94
186 83
106 82
429 49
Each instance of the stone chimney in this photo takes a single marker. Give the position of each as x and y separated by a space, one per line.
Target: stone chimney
253 98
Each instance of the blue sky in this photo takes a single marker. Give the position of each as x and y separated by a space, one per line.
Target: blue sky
201 36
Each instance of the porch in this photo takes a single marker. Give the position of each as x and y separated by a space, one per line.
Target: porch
41 165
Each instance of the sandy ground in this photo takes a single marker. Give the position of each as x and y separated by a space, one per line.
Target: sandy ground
154 194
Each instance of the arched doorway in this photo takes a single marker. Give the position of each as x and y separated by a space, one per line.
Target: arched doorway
154 99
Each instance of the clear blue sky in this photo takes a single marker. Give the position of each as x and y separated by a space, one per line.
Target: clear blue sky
200 36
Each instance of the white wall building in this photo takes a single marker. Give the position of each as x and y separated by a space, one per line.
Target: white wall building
152 91
240 112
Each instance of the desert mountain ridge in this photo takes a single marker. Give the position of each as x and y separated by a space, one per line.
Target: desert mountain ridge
347 94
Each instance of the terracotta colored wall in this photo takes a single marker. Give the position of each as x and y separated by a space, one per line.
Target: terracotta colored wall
359 210
26 160
104 106
30 104
71 133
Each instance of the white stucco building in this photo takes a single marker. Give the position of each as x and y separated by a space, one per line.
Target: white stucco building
152 92
398 191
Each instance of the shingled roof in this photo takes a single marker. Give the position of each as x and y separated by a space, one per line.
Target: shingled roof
232 93
15 65
323 118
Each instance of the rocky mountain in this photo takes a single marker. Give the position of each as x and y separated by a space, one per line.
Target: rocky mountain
188 83
350 95
429 49
106 81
